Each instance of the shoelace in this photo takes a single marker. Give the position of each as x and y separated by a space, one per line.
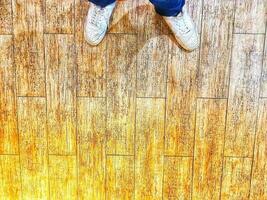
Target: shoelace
98 14
182 27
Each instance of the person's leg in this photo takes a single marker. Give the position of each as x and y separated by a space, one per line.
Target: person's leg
168 7
102 3
175 14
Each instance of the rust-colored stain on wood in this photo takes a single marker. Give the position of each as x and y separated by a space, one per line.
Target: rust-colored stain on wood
135 117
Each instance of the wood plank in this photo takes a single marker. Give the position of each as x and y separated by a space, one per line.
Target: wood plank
62 177
243 94
120 177
177 178
209 144
149 148
61 94
5 17
10 180
121 93
246 14
152 52
124 18
33 147
29 47
195 11
8 108
91 115
91 61
216 45
264 72
152 67
236 178
59 16
181 101
259 172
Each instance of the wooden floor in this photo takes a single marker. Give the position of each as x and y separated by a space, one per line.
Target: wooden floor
135 117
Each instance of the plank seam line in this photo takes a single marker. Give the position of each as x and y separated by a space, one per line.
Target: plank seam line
249 33
122 155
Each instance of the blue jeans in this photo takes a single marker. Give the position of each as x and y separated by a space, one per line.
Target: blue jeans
162 7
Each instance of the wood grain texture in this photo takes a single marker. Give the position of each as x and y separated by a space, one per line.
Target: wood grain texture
134 117
10 179
243 94
91 61
121 93
33 147
62 177
149 148
152 66
177 178
152 52
259 172
216 44
236 178
264 71
181 101
246 14
8 108
91 148
59 16
61 94
29 47
5 17
120 178
195 11
209 144
124 19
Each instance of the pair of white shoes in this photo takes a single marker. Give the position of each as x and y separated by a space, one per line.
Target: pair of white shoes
182 26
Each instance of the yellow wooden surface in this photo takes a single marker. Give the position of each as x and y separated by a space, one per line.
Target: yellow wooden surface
216 45
6 17
8 101
243 94
91 150
10 179
181 101
61 94
59 16
28 31
259 170
62 177
149 148
236 178
135 117
120 177
33 147
121 92
177 178
209 143
91 61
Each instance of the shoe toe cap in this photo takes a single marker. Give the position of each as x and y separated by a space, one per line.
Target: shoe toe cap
192 43
93 36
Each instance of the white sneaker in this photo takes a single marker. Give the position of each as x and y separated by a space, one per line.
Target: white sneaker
184 30
96 23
